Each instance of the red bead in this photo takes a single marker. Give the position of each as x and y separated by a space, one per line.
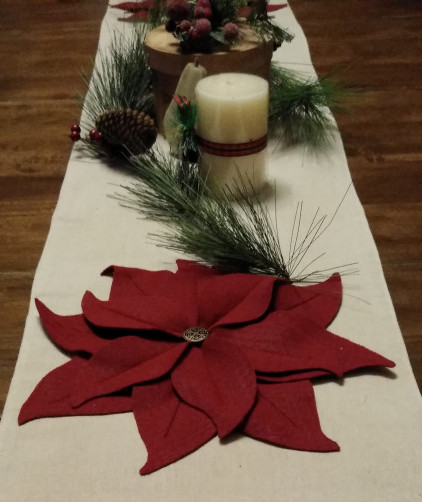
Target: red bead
75 128
92 134
98 136
75 136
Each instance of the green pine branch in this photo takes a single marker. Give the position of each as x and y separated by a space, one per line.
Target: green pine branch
121 78
230 230
202 224
300 106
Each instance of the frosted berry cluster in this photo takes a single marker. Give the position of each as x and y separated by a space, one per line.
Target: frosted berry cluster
201 26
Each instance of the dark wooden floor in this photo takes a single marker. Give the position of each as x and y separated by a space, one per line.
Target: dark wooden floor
44 44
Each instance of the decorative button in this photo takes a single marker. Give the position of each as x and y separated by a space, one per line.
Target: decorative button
195 335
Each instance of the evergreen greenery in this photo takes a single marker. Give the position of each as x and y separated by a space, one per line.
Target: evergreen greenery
301 106
186 124
205 225
233 231
262 24
121 78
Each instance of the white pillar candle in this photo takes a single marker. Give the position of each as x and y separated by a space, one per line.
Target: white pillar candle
232 123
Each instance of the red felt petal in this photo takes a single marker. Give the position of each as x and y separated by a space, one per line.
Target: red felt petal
275 7
233 298
137 282
194 296
169 427
50 398
227 298
286 415
195 268
140 15
287 342
128 282
320 302
141 299
71 333
101 314
141 313
125 362
217 379
133 6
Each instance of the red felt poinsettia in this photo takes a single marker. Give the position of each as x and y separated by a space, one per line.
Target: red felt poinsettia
197 353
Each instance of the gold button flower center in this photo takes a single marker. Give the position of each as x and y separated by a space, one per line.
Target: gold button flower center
195 335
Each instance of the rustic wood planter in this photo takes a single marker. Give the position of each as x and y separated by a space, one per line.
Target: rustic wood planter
167 62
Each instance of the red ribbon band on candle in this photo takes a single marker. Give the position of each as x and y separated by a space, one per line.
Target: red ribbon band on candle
233 149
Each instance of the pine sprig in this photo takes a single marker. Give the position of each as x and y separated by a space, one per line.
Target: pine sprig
185 123
262 24
157 14
230 230
202 224
268 30
300 106
121 78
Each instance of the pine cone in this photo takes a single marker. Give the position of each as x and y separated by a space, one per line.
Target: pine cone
126 128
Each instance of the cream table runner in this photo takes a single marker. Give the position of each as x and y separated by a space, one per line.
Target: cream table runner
375 417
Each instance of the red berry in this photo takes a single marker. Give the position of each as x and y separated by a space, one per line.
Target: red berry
92 134
75 136
185 25
98 136
75 128
230 32
200 11
193 34
203 27
178 9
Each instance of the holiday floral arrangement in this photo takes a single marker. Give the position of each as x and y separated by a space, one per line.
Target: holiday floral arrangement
120 120
231 346
209 25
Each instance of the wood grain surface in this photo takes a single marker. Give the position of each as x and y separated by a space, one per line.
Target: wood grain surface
376 45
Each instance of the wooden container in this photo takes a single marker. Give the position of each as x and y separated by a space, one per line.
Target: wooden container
167 62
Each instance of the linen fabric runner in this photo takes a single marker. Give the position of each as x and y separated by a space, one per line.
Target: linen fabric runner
375 417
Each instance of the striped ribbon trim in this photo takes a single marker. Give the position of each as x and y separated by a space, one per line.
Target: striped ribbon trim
234 149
